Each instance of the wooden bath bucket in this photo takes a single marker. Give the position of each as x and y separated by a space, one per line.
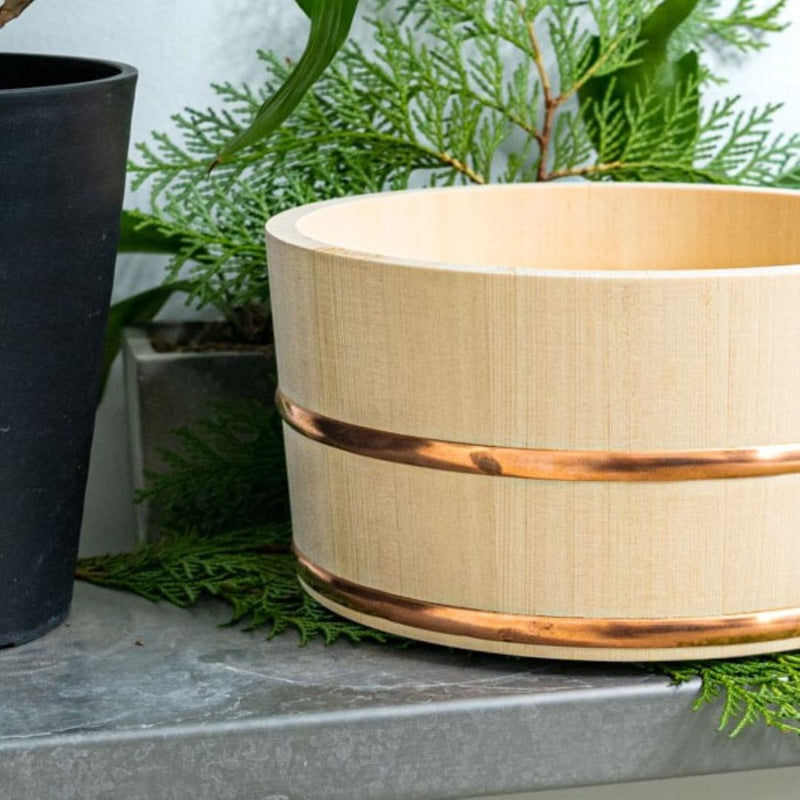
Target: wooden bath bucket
547 420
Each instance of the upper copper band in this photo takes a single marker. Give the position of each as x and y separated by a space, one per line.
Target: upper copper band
553 631
562 465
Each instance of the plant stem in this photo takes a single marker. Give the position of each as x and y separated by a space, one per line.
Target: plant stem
591 169
461 167
11 9
551 101
612 166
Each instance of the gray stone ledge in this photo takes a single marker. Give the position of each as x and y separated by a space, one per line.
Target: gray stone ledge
141 701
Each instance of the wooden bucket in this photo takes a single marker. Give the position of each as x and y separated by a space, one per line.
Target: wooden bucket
547 420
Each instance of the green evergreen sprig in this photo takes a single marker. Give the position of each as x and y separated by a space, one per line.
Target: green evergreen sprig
222 509
740 30
461 91
225 474
251 570
760 689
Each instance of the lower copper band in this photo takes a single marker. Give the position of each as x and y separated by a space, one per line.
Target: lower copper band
731 629
562 465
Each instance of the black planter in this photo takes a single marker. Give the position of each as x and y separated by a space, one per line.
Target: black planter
64 129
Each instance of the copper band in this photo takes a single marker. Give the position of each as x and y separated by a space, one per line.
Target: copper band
562 465
669 632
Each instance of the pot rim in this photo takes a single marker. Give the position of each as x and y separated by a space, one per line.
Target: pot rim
285 228
122 72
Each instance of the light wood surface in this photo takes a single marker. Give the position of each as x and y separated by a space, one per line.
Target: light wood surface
605 317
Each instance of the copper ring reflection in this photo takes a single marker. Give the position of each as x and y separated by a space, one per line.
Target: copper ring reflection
667 632
561 465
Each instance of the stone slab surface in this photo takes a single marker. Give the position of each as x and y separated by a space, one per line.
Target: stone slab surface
141 701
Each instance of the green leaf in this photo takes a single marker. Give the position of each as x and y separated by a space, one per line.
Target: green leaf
789 179
136 310
648 90
664 20
330 24
141 233
307 6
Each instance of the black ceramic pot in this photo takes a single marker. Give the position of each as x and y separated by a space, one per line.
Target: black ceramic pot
64 129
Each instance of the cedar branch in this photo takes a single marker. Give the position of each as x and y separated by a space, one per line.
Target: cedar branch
551 101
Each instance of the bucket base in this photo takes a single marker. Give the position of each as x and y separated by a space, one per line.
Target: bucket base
14 638
573 638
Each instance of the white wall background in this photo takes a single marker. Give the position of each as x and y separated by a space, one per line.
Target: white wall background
180 47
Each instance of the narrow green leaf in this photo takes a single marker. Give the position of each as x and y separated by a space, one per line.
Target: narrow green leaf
330 24
307 6
136 310
664 20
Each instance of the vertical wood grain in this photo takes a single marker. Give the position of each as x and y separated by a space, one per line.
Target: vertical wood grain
573 317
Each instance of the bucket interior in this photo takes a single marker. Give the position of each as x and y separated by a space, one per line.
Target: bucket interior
24 71
568 227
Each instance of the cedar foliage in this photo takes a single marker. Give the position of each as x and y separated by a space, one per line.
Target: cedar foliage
250 570
223 514
760 689
459 92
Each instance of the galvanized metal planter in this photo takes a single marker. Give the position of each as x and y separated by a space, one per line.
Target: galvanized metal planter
169 389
